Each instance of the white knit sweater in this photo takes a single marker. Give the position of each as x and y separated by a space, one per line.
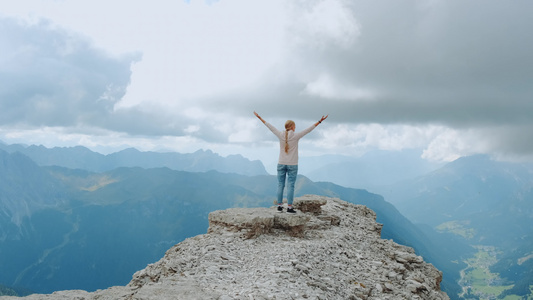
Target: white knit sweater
290 158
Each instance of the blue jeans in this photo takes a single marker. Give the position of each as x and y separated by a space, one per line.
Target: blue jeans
291 171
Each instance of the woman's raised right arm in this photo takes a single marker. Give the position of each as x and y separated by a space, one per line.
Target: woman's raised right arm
274 130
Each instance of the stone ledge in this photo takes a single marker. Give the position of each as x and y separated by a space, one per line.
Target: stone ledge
256 221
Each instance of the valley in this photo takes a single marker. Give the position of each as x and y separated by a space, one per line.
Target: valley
477 281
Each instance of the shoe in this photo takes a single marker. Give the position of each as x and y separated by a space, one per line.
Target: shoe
280 209
291 210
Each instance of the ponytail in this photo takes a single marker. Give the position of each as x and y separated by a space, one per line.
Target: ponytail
288 125
286 141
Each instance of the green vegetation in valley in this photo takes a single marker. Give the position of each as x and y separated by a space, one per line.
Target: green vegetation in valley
479 282
457 227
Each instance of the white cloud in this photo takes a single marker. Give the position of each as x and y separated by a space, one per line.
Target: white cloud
364 137
331 88
323 24
205 50
448 146
391 74
189 49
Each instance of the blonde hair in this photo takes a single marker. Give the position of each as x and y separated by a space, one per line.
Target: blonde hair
289 124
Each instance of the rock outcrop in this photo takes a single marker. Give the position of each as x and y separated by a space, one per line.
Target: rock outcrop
330 249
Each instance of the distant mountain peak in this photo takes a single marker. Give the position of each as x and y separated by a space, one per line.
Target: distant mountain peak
128 150
330 249
80 157
203 151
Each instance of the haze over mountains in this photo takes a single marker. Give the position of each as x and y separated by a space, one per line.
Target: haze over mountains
79 227
372 170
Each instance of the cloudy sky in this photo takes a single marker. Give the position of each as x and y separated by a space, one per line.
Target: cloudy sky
450 77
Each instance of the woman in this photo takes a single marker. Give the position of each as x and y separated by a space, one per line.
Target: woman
288 158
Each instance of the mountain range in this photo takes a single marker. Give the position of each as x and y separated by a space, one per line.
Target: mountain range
68 228
80 157
58 219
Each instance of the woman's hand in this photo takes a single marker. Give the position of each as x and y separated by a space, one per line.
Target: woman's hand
257 115
321 119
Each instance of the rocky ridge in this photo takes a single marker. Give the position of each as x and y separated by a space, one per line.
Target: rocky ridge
330 249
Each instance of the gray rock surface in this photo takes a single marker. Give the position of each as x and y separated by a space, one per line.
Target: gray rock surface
330 249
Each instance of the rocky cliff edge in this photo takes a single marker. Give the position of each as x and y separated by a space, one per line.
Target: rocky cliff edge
330 249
